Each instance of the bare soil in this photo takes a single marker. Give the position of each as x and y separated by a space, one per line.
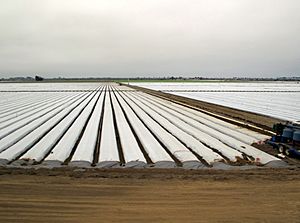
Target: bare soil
149 195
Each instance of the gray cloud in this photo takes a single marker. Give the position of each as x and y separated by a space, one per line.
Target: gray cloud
118 38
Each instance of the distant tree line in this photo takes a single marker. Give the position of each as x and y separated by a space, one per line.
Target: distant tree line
175 78
23 79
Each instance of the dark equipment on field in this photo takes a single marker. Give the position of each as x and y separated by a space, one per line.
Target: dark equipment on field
287 139
38 78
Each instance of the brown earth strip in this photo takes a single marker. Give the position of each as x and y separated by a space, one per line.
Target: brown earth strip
150 196
262 173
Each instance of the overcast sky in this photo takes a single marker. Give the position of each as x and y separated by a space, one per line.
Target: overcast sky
128 38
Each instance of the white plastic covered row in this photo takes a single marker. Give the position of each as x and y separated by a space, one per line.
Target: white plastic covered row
20 101
108 144
87 144
203 137
110 127
28 124
64 147
23 110
286 95
39 147
54 86
28 106
29 116
9 138
258 155
245 136
47 142
250 103
207 154
155 151
172 144
222 86
130 147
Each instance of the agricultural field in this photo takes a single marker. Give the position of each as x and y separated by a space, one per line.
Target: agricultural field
108 125
276 99
104 152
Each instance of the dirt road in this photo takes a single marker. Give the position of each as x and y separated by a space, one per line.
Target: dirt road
150 196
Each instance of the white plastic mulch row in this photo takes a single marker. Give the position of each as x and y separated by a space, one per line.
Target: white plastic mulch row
31 115
276 99
39 150
129 144
32 101
116 124
222 86
15 100
234 131
31 106
63 148
17 131
206 133
155 151
64 86
171 143
207 154
42 138
273 104
108 145
38 116
202 137
89 137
